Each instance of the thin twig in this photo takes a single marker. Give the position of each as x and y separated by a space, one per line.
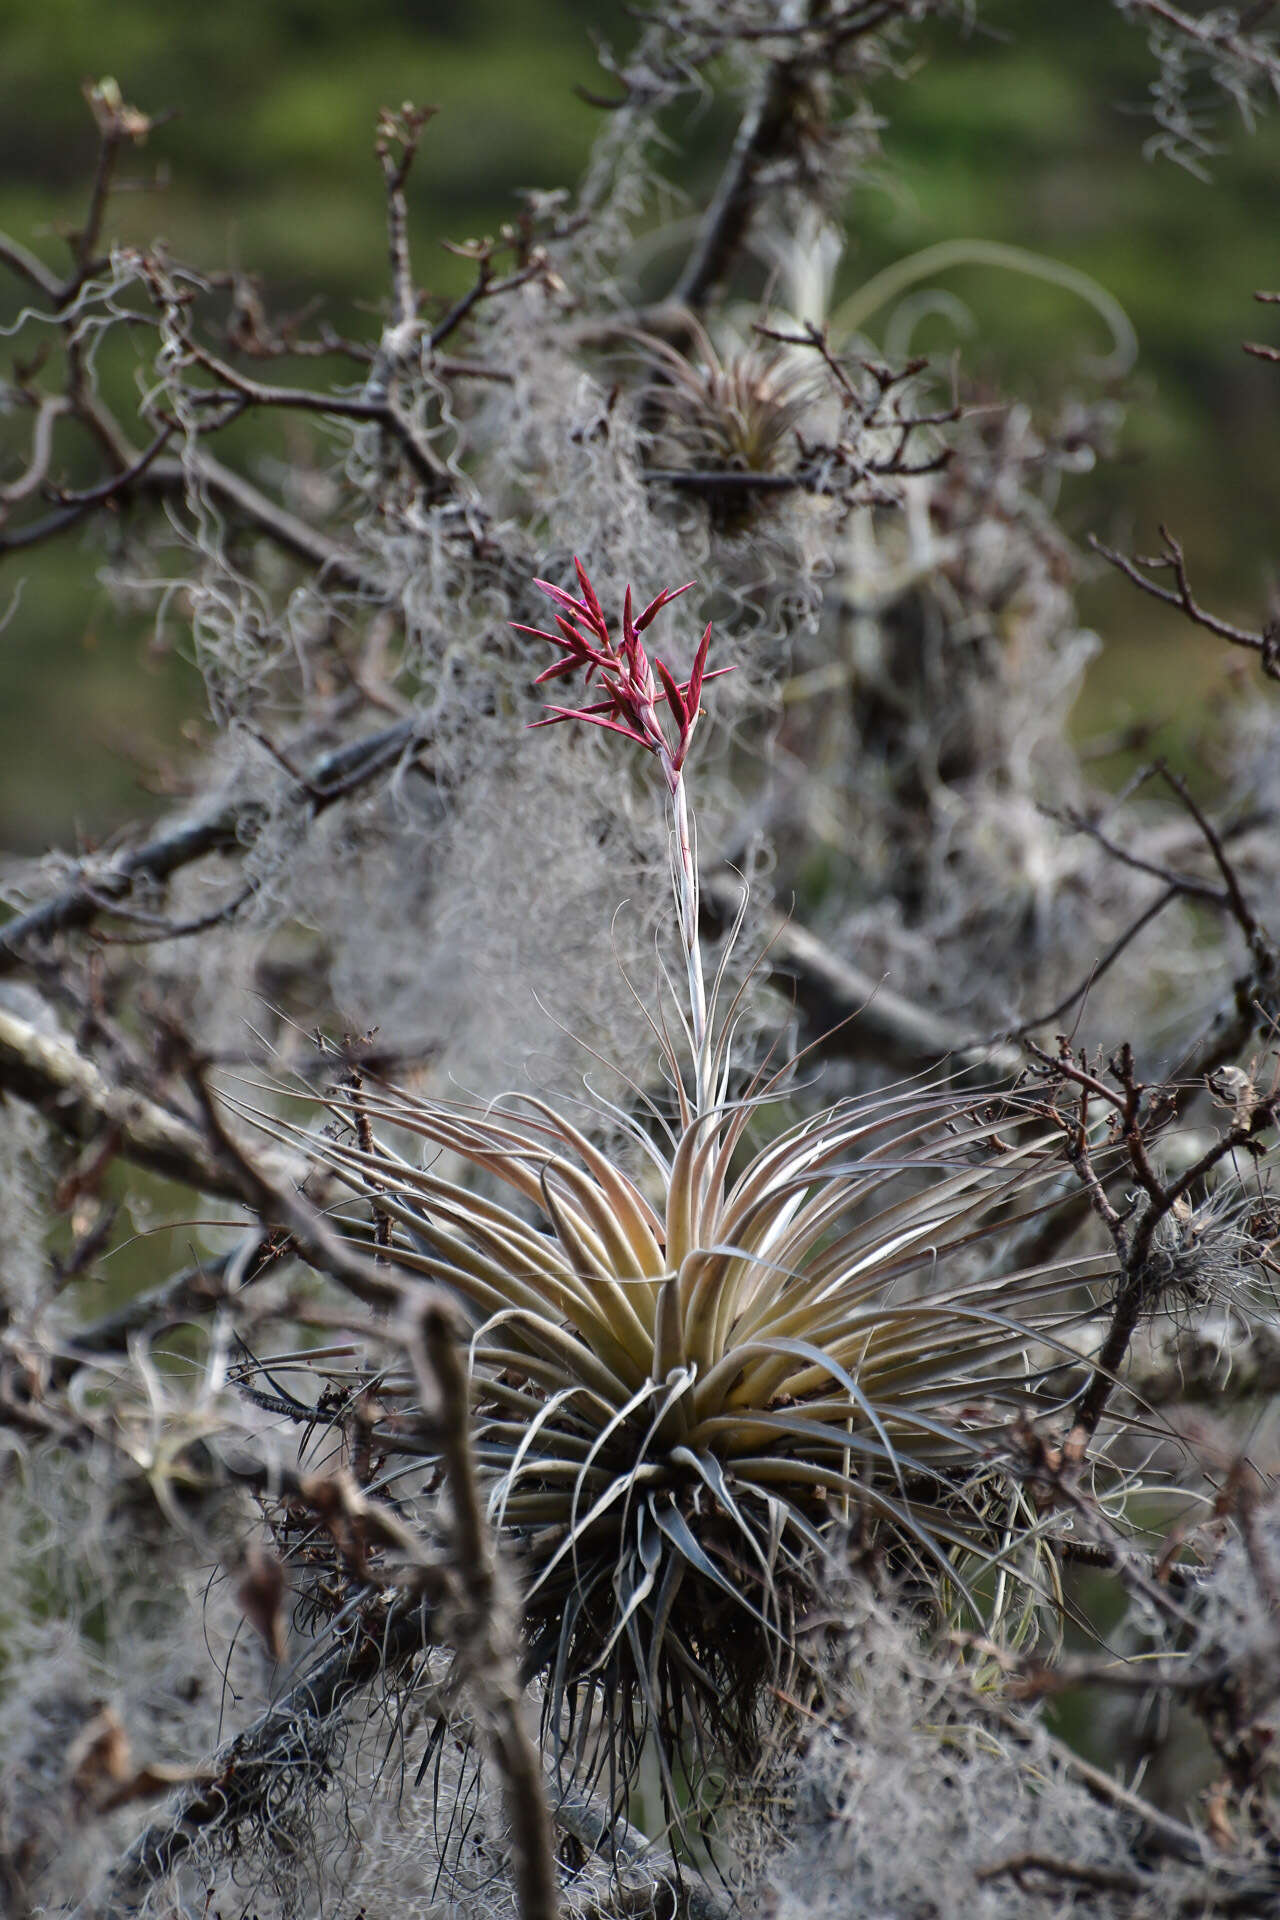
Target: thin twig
368 405
159 930
1177 882
1105 1879
1181 596
1096 971
23 262
119 483
1259 941
277 1204
49 410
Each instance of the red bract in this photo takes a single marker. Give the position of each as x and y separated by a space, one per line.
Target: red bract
634 687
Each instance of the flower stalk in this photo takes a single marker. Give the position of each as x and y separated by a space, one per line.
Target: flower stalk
684 867
635 690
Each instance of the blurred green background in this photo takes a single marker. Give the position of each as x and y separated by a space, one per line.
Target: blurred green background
1031 132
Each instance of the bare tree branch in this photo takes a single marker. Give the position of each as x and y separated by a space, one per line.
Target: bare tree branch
383 1639
766 131
51 1074
490 1633
195 1290
227 829
860 1015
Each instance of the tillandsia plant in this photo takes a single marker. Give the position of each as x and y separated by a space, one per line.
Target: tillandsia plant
689 1385
740 412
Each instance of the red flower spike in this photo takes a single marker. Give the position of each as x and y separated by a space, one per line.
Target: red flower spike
635 688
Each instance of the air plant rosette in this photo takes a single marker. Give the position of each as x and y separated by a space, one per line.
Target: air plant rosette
692 1385
732 413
